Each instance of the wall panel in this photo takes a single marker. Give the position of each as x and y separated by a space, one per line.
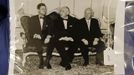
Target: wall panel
77 7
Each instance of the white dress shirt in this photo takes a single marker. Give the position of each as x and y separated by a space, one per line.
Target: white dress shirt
65 24
41 22
89 24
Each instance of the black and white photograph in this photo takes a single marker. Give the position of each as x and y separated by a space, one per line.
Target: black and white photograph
64 37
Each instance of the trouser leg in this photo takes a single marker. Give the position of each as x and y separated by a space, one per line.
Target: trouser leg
49 54
84 51
41 63
85 55
48 57
71 52
99 55
64 55
99 58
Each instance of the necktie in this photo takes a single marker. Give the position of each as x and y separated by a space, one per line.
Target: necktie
65 23
41 17
88 24
65 19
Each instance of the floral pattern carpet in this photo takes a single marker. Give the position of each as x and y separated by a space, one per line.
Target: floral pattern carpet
31 67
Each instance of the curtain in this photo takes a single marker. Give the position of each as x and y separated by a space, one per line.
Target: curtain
4 41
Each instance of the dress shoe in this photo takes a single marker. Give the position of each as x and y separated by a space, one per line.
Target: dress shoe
68 67
99 63
41 66
62 64
85 64
49 66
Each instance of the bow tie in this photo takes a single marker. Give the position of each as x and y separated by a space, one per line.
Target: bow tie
41 17
65 19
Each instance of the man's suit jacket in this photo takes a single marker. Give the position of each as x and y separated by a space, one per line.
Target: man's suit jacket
35 27
71 30
85 33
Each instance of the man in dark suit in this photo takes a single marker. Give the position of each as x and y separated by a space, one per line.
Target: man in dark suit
40 31
50 41
89 34
65 36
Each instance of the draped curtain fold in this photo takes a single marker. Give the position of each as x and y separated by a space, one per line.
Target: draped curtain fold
4 41
100 7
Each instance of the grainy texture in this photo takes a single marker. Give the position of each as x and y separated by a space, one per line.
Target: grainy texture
31 67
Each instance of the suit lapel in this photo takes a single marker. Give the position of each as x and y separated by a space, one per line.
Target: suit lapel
91 24
38 22
68 22
45 22
62 23
85 23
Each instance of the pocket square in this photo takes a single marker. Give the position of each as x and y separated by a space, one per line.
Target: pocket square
70 25
46 25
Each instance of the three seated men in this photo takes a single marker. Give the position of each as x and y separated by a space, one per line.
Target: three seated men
65 33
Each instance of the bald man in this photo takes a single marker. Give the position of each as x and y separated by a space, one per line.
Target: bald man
90 34
65 36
